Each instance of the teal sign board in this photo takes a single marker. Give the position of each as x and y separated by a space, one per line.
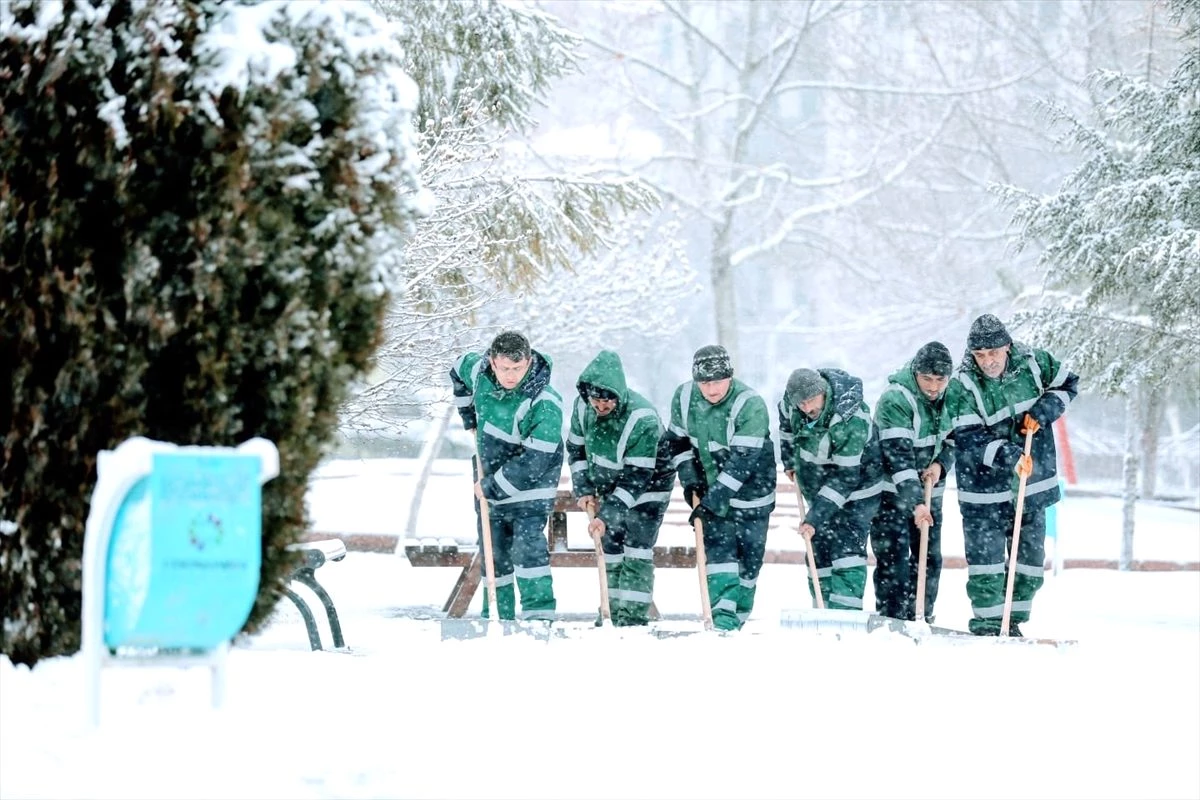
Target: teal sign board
185 553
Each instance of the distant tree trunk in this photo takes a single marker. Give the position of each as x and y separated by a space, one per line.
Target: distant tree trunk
1183 469
429 451
1153 407
1130 474
725 291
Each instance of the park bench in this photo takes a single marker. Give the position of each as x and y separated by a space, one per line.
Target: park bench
316 555
448 552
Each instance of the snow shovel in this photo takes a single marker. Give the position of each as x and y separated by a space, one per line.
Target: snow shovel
702 569
923 554
489 565
924 632
605 609
822 619
1016 540
470 628
467 629
808 552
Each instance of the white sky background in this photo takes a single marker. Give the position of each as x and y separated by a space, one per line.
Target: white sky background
771 712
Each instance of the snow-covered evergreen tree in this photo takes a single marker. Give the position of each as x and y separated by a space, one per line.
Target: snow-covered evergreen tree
1120 245
1120 240
200 203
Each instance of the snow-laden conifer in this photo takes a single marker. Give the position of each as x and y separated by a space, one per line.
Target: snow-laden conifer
201 209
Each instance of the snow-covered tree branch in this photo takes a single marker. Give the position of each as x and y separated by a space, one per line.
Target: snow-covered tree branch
1120 239
826 155
505 219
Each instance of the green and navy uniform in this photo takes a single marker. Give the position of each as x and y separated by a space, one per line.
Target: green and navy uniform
623 459
724 450
987 416
519 436
913 434
839 471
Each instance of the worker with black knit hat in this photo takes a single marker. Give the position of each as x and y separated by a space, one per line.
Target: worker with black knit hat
1001 391
720 441
915 444
830 447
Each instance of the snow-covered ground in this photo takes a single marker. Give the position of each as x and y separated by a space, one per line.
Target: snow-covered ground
772 712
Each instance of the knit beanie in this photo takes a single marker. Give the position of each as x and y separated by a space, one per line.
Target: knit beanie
711 363
933 359
803 384
987 333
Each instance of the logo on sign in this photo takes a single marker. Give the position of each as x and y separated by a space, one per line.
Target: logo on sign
205 530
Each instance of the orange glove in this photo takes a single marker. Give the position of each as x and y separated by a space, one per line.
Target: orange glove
1031 426
1025 466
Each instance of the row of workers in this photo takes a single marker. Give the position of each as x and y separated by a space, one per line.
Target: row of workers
862 476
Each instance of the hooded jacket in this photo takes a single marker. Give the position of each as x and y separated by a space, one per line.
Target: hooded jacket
836 457
518 432
623 457
913 433
987 416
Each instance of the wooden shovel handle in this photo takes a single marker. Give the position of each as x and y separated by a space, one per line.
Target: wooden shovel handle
602 569
818 597
702 569
923 553
489 564
1016 541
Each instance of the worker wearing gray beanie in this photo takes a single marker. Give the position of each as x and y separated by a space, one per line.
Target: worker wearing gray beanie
804 384
830 447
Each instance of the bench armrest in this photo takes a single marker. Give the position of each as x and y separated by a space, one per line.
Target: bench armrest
317 553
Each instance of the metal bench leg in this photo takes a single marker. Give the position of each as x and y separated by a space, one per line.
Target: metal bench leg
307 577
314 638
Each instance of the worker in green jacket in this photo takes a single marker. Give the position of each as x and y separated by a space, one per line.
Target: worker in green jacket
915 444
1001 391
620 470
830 447
505 398
720 441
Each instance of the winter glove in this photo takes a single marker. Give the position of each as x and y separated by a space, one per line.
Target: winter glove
692 494
1031 426
1025 466
702 513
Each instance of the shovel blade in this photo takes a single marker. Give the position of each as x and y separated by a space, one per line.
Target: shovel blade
462 629
835 620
